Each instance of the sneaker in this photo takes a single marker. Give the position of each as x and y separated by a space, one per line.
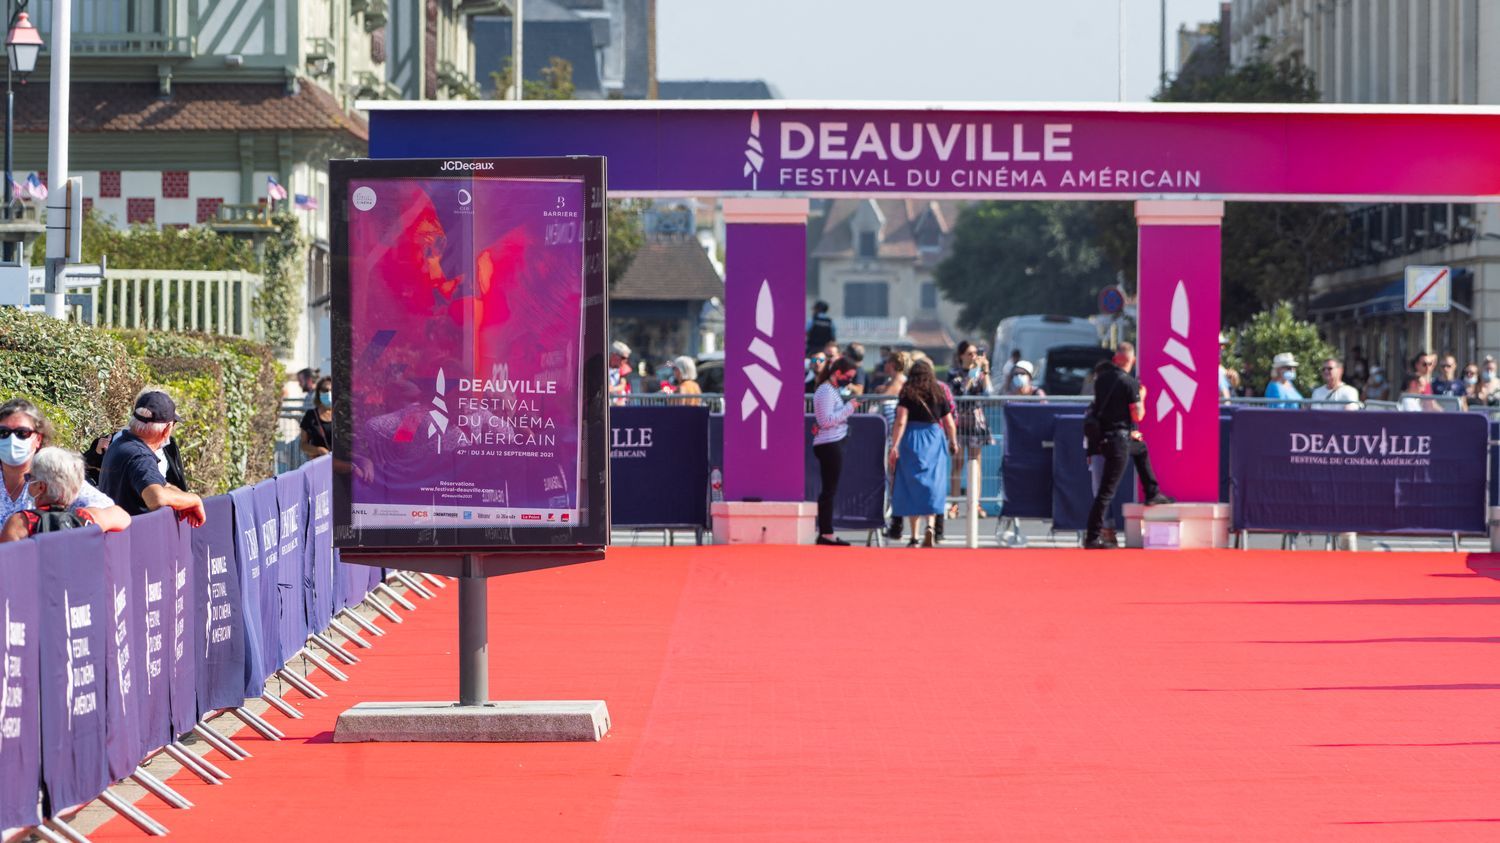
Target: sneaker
1159 499
835 541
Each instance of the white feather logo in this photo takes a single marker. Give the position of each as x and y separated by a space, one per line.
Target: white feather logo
765 382
1181 388
755 157
439 414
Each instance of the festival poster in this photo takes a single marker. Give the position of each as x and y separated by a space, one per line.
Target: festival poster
466 297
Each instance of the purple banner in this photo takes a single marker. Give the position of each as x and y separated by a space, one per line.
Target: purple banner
1178 353
659 466
1312 471
154 573
187 617
127 633
268 517
466 325
291 501
765 293
973 151
260 659
20 684
319 557
221 638
75 633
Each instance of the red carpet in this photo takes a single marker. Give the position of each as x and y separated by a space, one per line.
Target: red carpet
822 694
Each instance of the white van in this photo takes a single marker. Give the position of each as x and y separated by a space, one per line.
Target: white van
1036 335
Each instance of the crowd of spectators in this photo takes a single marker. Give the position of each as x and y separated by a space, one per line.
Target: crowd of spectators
1431 382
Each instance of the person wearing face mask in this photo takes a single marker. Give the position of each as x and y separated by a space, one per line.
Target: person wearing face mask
23 432
1473 389
132 473
56 480
832 414
317 423
1377 388
1283 384
1023 380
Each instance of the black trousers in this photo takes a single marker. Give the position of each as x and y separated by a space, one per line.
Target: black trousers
831 465
1117 448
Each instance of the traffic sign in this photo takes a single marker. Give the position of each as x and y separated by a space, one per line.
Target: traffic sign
1111 300
1429 289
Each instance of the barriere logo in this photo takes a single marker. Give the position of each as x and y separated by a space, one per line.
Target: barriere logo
1177 399
765 383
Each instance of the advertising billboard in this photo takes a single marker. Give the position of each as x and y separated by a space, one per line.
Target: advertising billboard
469 332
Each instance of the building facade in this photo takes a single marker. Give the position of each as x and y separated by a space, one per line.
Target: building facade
873 260
1435 52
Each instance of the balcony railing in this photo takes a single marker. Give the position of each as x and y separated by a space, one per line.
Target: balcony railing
134 45
243 216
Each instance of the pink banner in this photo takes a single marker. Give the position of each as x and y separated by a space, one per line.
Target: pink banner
1179 356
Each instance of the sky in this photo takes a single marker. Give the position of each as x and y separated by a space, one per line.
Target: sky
997 50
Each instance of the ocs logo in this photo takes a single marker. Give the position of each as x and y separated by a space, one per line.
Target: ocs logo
419 513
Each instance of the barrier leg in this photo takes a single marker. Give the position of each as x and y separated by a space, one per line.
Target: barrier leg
350 635
333 649
412 584
354 618
971 535
318 662
281 705
257 723
190 761
189 757
384 609
226 747
306 688
391 593
158 788
53 832
1455 542
137 817
437 581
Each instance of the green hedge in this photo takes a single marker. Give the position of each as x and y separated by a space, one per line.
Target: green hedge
86 380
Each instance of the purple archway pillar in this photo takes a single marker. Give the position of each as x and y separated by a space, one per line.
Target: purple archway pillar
765 301
1178 348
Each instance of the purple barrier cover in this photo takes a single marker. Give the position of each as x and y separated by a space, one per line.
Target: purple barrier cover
468 411
74 666
1369 472
221 663
291 500
187 618
659 466
319 556
260 660
127 631
268 516
20 684
153 599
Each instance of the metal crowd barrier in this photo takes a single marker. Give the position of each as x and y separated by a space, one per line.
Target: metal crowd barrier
135 641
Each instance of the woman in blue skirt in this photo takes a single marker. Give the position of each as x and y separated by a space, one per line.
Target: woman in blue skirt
919 457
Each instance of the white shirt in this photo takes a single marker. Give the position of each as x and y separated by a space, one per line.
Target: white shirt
1345 393
88 498
832 413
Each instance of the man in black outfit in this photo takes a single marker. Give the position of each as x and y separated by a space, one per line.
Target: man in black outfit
1119 402
820 331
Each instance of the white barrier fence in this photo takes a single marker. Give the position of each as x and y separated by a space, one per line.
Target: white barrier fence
210 302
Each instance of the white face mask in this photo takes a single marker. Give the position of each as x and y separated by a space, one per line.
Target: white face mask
15 451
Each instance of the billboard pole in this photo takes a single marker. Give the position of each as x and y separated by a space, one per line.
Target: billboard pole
57 162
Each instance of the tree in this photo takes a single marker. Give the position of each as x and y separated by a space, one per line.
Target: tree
556 82
1012 258
1272 332
625 236
1271 250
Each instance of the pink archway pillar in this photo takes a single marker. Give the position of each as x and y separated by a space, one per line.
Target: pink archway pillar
1178 278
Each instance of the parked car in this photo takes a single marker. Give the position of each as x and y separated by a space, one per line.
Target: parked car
1068 367
711 372
1035 335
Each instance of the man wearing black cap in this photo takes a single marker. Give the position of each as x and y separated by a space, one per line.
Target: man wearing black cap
132 468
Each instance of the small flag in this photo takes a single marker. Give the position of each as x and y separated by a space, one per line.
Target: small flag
274 191
305 202
17 189
34 189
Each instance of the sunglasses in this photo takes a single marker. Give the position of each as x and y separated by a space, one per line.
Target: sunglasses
21 433
820 359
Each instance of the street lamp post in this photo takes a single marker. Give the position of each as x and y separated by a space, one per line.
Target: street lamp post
22 45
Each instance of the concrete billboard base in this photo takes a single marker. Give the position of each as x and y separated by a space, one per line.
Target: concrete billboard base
515 721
